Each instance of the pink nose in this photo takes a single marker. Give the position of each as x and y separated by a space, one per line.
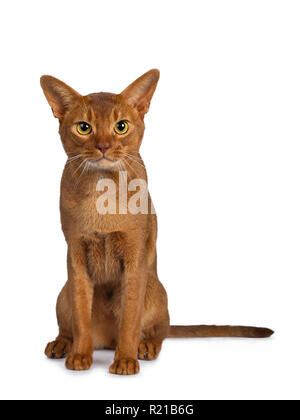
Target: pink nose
103 147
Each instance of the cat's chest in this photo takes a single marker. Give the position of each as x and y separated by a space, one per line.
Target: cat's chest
87 214
105 257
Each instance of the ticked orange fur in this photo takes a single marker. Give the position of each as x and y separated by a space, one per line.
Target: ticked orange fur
113 297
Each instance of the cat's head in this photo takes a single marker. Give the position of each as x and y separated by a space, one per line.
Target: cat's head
101 127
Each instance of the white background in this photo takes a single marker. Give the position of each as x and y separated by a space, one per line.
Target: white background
222 151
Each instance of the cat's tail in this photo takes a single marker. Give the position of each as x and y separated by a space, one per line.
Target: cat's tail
180 331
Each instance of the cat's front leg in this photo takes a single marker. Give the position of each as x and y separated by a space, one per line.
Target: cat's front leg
82 291
125 362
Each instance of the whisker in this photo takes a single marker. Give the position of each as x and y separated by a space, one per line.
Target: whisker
71 152
84 161
82 172
134 156
131 167
134 160
137 158
72 159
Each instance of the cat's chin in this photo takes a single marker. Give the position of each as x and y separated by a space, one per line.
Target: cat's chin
106 164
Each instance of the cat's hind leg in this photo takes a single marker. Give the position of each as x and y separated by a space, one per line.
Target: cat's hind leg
62 346
155 320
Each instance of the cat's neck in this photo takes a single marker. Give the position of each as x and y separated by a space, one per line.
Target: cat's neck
85 179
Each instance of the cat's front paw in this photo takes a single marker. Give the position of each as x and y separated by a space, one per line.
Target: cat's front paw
125 367
78 361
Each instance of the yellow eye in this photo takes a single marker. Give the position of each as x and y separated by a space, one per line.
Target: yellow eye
84 128
121 127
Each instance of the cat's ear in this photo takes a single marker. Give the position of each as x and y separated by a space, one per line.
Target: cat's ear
140 92
59 95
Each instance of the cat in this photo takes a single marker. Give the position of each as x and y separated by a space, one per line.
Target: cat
113 298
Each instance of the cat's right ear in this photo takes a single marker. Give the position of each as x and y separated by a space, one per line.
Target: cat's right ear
59 95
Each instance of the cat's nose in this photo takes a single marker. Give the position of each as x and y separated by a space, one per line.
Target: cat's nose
103 147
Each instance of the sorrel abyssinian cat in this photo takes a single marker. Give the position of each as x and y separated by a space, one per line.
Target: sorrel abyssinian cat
113 297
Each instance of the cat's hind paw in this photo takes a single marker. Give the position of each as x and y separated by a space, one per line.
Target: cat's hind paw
149 349
58 349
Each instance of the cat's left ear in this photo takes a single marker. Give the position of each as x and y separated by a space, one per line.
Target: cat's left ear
59 95
140 92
